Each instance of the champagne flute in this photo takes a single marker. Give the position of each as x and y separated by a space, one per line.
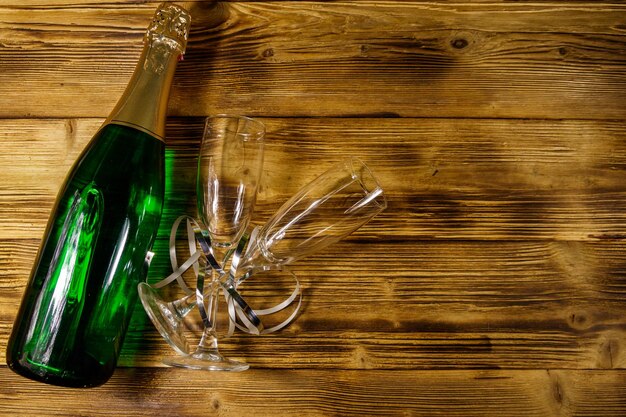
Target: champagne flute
326 210
229 169
329 208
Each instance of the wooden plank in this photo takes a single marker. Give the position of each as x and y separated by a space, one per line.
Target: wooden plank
445 178
504 4
412 305
552 60
137 392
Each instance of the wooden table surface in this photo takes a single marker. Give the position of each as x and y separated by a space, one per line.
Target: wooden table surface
493 284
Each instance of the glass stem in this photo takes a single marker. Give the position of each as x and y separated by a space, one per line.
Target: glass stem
208 342
184 305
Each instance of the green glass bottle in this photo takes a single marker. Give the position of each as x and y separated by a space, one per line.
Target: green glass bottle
82 290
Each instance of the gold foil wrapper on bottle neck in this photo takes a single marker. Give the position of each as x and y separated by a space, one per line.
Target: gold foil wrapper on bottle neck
143 105
170 25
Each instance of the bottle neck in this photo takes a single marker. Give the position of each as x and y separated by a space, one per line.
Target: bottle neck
143 105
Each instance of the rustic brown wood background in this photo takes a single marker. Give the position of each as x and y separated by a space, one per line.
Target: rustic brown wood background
494 283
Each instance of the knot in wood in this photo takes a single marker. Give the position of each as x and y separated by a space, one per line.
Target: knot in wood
459 43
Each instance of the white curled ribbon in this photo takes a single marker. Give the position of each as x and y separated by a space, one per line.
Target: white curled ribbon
235 311
237 306
177 275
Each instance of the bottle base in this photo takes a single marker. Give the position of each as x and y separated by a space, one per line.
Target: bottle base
39 373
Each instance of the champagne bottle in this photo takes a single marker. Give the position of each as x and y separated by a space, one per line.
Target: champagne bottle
82 289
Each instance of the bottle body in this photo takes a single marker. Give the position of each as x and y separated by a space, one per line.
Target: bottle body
79 301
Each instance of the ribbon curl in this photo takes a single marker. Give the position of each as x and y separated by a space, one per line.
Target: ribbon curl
238 308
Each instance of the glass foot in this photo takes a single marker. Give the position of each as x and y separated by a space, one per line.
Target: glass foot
209 361
164 318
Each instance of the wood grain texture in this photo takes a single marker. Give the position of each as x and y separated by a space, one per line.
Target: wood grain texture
554 60
453 292
419 305
493 284
445 178
538 393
